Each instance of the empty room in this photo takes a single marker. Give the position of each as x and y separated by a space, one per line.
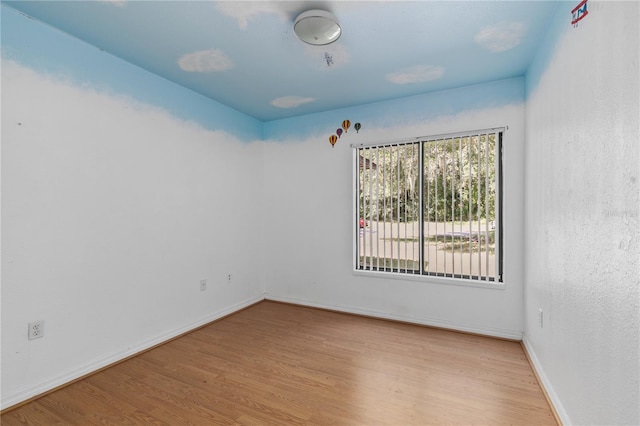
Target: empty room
332 212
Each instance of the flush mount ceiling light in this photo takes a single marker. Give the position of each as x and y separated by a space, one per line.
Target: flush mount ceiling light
317 27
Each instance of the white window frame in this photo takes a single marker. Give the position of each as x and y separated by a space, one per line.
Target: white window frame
422 275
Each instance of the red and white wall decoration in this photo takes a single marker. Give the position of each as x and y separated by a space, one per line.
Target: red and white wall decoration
579 13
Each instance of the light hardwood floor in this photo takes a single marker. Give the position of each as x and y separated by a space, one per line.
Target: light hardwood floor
275 363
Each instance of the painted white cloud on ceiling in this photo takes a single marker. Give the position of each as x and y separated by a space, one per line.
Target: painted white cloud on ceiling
416 74
291 101
212 60
367 53
501 37
118 3
244 11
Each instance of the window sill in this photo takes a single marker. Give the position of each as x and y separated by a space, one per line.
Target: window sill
431 279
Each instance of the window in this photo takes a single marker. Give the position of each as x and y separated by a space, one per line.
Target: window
431 206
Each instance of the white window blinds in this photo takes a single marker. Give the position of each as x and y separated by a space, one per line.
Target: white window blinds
431 206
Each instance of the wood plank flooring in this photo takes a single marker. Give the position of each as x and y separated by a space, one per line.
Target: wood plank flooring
282 364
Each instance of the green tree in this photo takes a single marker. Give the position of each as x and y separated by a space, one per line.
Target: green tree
458 176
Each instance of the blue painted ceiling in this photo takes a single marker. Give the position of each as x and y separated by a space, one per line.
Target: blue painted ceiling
245 55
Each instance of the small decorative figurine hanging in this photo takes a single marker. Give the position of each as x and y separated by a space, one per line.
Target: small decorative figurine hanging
340 130
328 59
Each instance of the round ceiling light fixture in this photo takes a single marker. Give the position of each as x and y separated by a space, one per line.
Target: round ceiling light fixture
317 27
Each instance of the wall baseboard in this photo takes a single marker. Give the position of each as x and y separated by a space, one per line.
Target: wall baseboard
12 400
499 333
556 406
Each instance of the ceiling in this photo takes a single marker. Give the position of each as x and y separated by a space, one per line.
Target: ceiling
245 54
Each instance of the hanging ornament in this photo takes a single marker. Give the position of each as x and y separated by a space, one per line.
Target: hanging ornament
345 125
339 132
332 140
357 127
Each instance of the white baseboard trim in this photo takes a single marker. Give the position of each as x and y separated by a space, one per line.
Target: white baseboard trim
8 400
504 334
546 384
14 398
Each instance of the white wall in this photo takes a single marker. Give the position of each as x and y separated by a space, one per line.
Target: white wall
112 213
309 217
113 210
582 207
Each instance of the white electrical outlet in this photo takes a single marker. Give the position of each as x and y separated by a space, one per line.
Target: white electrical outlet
36 330
229 278
203 285
541 317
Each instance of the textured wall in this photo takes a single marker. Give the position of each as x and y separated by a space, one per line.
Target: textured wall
309 221
582 207
113 210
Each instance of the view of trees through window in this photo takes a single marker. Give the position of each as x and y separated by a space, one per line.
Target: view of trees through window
430 207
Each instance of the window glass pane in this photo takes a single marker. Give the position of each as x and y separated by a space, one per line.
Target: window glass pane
430 207
459 185
389 208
